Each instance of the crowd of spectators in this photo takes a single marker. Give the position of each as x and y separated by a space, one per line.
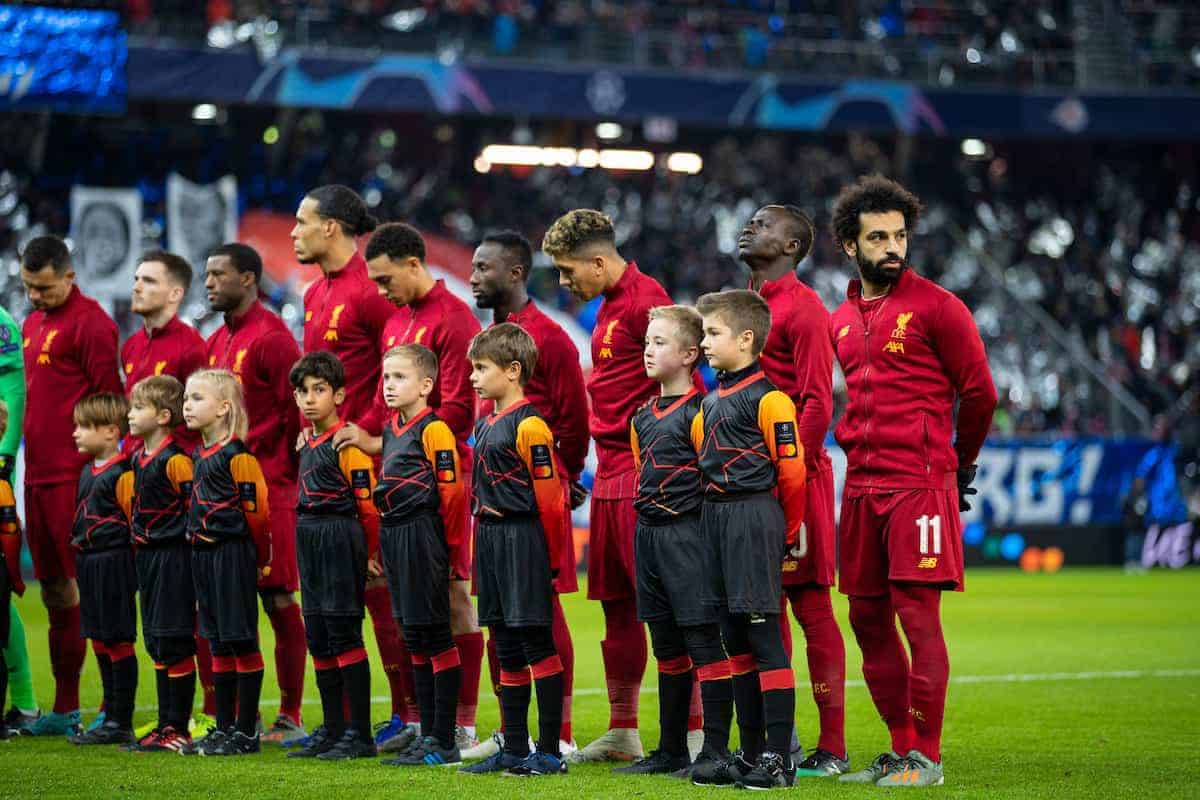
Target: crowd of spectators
1102 240
944 42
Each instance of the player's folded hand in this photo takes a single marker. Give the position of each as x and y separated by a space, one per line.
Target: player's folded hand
300 437
966 476
578 494
373 568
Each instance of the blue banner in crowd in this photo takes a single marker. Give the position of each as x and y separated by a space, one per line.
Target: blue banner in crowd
413 82
1074 482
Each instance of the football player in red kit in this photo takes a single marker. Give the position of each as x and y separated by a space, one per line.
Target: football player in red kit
429 314
798 359
70 353
345 315
257 347
500 270
583 245
910 352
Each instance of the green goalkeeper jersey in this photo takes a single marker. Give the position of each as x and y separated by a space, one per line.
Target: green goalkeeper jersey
12 384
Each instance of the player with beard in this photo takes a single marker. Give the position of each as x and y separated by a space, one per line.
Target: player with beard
910 352
798 359
70 352
345 315
165 345
257 347
500 270
582 244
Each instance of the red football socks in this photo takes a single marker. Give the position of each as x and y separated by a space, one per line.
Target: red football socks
826 663
885 665
624 653
470 653
290 657
919 610
67 652
392 651
566 653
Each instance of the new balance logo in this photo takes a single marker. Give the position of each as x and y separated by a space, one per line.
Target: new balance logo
929 562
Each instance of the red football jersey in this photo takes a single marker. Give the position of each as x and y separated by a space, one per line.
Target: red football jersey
556 389
907 356
70 353
259 349
345 314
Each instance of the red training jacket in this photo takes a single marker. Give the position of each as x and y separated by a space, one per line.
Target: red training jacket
260 350
444 324
345 314
906 360
798 359
175 349
618 385
70 353
556 389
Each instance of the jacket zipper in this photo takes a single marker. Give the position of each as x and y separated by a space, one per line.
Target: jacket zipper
867 373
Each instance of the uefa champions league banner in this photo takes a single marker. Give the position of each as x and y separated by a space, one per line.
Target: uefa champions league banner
1070 482
200 217
106 228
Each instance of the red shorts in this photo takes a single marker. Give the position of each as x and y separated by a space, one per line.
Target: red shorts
462 557
49 517
910 535
611 573
285 575
817 563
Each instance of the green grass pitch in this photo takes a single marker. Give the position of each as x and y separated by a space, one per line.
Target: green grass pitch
1081 684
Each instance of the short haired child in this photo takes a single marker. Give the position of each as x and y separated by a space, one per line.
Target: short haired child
422 504
519 504
104 560
337 541
674 572
229 527
749 448
162 488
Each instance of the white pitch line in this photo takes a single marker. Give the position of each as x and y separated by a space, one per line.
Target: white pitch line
1012 677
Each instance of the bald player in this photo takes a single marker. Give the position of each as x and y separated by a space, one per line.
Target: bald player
798 359
257 347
